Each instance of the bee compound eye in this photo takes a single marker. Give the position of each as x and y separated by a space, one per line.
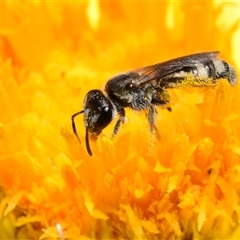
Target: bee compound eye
106 109
104 118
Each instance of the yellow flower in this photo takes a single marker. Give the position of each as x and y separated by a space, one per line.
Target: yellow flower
185 186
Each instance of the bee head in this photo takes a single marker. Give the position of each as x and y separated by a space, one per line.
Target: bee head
98 113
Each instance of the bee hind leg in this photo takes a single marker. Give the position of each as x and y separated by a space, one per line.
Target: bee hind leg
151 115
161 98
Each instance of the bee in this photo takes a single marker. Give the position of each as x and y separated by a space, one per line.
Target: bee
146 88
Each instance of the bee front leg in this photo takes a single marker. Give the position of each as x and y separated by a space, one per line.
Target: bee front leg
120 120
152 112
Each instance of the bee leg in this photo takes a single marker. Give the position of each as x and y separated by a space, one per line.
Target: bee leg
152 112
162 98
120 120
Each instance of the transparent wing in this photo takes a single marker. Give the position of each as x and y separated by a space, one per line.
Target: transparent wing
161 70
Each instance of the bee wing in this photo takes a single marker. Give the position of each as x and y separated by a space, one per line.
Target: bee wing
161 70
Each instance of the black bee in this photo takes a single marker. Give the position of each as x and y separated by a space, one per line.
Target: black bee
145 88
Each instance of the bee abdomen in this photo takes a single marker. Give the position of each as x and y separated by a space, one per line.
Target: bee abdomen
203 74
224 70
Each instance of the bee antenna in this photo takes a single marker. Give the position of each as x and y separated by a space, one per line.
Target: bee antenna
73 124
87 143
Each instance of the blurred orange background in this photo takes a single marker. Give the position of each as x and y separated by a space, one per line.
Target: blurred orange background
138 31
